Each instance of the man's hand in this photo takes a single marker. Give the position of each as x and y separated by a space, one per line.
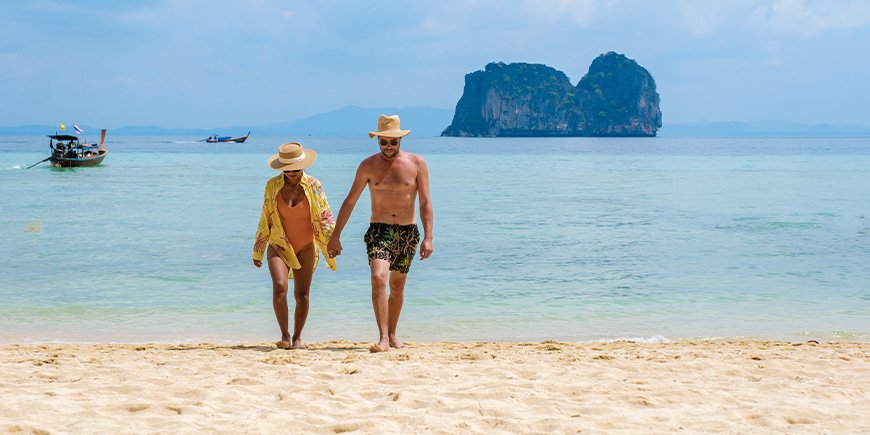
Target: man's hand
426 249
258 263
334 247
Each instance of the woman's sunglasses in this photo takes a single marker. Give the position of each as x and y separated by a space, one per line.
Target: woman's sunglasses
393 142
293 172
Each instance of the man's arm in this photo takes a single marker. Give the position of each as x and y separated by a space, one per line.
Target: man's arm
427 215
359 184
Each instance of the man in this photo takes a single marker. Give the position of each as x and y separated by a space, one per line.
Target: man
394 178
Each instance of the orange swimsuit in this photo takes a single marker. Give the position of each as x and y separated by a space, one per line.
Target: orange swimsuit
296 221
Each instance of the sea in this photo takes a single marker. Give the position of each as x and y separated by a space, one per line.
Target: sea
568 239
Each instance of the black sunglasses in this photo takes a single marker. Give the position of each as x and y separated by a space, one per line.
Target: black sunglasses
293 172
393 142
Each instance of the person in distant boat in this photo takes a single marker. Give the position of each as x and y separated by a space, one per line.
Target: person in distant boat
394 179
295 226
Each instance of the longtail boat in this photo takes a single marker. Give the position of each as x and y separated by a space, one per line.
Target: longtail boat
67 151
216 138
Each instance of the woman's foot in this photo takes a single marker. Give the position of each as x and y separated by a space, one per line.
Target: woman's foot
394 342
284 343
297 344
381 346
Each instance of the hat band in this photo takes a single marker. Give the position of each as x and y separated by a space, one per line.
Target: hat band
293 160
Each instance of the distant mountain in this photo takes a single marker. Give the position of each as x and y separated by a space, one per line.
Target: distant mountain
763 129
355 121
347 121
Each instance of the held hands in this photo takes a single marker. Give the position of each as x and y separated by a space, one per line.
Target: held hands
334 247
426 248
258 263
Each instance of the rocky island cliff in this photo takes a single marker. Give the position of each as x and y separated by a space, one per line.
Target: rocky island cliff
617 97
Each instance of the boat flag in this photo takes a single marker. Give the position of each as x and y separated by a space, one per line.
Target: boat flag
62 127
77 128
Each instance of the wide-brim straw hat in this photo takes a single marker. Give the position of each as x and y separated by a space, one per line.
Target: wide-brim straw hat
291 156
389 126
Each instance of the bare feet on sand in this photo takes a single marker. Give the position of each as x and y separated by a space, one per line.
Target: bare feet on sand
297 344
283 344
382 346
395 342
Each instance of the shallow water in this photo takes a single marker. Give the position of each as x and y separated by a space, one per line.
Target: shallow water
567 239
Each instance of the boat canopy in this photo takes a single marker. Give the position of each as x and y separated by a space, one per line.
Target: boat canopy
63 137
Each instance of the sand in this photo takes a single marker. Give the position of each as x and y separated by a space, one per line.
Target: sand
336 387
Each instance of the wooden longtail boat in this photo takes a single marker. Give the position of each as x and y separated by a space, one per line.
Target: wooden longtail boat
68 151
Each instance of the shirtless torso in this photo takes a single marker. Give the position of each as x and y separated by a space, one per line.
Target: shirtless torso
395 179
393 187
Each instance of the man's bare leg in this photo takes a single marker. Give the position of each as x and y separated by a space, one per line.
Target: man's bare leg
380 272
301 290
396 300
279 271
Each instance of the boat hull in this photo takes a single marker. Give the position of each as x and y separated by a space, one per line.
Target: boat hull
240 139
67 162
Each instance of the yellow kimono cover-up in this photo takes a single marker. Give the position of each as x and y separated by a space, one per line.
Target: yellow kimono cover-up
271 232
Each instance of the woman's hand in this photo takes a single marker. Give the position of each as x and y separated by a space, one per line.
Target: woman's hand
333 248
258 263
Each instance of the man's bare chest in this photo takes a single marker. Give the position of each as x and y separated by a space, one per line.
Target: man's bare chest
396 176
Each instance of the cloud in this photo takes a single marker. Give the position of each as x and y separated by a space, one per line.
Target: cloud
697 18
809 18
706 17
580 12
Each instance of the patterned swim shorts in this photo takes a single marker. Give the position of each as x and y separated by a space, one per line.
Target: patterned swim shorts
396 244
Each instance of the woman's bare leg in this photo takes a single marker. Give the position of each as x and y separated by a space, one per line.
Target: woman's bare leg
279 272
301 290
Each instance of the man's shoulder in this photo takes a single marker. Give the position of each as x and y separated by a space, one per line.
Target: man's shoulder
416 158
370 160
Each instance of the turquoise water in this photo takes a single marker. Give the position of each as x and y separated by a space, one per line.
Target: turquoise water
564 239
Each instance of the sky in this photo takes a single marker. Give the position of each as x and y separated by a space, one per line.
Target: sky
177 63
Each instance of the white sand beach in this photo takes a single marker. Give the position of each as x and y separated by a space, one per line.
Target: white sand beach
448 387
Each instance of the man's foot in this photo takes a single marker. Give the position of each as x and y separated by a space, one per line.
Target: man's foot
297 344
394 342
383 346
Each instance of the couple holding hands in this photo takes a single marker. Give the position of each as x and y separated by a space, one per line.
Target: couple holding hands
297 224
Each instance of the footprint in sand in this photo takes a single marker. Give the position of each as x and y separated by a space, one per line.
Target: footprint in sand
137 407
349 370
244 381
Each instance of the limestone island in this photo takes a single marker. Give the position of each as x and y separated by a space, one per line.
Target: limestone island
616 98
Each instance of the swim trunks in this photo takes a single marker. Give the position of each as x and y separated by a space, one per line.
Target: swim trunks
394 243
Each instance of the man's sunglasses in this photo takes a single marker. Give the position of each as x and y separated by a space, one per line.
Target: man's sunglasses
393 142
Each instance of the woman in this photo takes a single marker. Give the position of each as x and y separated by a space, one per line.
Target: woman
296 225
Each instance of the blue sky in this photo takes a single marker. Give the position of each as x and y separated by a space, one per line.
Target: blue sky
220 63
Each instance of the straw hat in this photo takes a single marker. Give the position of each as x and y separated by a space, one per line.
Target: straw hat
291 157
388 126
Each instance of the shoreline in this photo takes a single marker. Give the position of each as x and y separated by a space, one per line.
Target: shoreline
338 386
121 340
